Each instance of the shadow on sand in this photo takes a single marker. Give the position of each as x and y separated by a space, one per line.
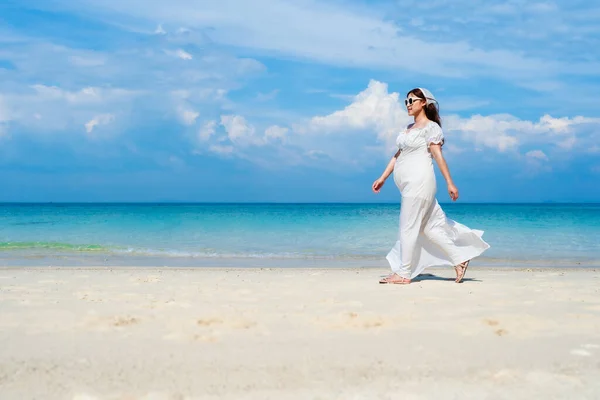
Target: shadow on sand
432 277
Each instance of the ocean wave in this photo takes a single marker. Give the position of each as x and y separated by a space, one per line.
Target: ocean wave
217 254
51 246
28 249
58 247
65 248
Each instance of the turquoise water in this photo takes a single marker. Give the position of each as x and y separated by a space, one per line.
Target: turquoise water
280 234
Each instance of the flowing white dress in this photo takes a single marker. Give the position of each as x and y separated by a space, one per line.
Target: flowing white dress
426 236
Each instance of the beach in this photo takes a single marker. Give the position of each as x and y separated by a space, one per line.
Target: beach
87 333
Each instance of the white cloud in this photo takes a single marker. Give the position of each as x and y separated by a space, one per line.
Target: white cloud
248 66
184 55
159 30
222 149
559 125
239 131
377 110
188 117
316 154
326 137
536 161
209 94
55 109
505 132
239 134
180 53
367 128
207 130
87 95
568 132
276 132
490 131
372 109
186 101
40 62
102 119
375 117
537 154
567 143
336 34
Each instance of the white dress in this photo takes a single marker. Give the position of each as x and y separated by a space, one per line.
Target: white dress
426 236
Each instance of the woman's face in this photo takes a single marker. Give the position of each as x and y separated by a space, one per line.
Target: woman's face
414 104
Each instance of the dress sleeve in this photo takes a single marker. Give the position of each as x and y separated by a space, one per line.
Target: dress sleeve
435 135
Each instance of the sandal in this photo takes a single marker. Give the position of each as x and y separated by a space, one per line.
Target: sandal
461 270
395 279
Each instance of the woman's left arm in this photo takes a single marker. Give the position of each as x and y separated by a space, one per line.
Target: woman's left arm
436 152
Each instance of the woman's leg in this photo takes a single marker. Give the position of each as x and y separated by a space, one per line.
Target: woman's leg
439 232
461 270
412 214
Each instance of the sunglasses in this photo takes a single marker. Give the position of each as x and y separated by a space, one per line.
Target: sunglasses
409 101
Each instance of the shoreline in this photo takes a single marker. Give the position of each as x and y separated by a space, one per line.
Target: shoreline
428 271
333 262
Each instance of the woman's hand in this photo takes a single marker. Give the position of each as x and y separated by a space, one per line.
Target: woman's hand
378 184
436 152
453 191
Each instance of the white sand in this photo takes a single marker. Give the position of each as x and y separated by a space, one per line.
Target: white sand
139 333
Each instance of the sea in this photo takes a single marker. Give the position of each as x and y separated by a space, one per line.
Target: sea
280 235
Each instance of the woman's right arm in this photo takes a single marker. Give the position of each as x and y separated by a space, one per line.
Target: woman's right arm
388 171
390 167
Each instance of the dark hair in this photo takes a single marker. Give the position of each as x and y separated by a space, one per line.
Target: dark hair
430 109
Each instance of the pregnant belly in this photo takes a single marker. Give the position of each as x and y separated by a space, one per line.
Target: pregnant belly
415 178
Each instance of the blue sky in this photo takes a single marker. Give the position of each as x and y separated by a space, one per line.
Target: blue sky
272 100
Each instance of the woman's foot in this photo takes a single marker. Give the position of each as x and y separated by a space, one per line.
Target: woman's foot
396 279
461 270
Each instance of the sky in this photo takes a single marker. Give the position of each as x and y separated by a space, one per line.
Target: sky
294 101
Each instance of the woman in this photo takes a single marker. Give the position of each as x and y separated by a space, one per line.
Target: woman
426 236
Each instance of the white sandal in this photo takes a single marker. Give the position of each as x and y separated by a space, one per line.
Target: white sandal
395 279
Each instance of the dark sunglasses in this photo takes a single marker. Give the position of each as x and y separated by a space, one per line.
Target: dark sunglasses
409 101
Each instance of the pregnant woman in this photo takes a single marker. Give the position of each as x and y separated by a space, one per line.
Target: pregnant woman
426 236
